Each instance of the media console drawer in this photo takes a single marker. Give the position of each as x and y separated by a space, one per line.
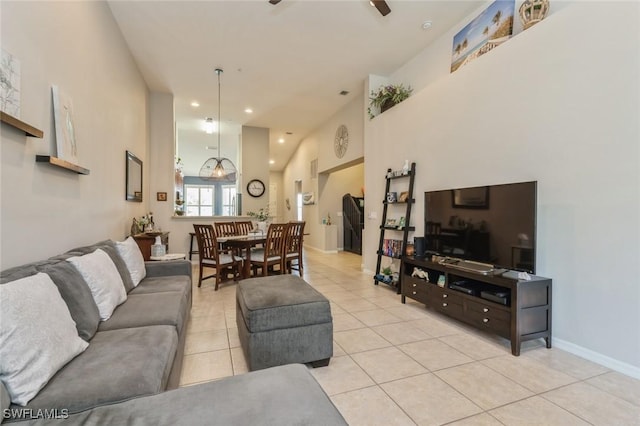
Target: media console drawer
480 320
487 310
416 289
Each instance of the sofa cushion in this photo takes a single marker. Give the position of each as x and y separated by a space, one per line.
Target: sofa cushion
168 308
287 395
108 247
132 256
37 335
117 366
181 283
73 289
279 302
103 279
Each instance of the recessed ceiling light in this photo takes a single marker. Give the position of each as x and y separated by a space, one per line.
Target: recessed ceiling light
195 104
344 92
272 161
426 25
248 110
281 140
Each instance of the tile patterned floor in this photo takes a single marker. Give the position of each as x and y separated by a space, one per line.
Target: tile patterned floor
398 364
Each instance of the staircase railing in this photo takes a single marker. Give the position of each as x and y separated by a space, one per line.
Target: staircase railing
353 222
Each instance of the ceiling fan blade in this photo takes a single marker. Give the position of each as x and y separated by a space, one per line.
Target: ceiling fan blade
274 1
382 7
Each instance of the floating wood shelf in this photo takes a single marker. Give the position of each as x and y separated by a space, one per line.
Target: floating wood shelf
21 125
55 161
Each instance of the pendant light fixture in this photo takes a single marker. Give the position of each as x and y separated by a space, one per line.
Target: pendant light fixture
219 168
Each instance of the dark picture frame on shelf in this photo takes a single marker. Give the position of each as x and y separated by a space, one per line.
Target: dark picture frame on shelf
133 190
470 198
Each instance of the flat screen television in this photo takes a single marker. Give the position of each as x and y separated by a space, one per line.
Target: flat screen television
493 224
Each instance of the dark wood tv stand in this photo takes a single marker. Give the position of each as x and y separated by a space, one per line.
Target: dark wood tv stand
524 313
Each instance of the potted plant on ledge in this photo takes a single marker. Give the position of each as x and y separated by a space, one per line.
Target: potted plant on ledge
386 97
261 217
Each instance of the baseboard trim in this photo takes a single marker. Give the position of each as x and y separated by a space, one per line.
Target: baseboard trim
588 354
320 250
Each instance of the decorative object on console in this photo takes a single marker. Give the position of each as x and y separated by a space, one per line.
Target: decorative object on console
386 97
488 30
417 272
533 11
10 87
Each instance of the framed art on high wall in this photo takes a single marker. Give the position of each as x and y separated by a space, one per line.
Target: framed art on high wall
488 30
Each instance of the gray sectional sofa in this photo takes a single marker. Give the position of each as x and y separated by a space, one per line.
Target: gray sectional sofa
136 355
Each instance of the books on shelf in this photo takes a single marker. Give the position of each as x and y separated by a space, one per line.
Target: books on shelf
392 248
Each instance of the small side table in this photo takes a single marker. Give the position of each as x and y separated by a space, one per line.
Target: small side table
145 241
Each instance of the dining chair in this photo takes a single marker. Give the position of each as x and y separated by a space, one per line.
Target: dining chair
225 229
211 257
243 227
293 247
271 254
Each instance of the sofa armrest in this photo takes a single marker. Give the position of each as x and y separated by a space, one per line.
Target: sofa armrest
168 268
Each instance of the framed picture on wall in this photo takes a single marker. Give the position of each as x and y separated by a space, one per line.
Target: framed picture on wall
161 196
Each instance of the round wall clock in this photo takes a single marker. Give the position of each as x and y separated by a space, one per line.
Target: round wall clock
341 141
255 188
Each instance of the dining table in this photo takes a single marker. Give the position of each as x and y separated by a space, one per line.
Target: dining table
246 243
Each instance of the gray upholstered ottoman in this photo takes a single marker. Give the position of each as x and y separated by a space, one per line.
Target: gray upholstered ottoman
283 320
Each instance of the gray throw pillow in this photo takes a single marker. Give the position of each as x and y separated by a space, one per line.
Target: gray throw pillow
77 294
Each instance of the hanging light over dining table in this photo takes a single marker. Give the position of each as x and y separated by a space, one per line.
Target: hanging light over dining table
219 168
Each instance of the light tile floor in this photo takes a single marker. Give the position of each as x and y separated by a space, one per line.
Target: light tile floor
398 364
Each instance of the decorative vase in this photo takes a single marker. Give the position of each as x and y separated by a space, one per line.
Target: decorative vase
262 226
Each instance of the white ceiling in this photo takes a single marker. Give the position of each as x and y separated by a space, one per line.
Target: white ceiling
287 62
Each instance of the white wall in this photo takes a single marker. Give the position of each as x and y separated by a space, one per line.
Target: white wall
255 165
558 104
78 47
332 187
328 192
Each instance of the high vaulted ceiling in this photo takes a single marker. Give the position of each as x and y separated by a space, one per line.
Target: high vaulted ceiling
287 62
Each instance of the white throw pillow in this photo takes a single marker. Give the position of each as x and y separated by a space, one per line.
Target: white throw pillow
132 256
37 336
99 271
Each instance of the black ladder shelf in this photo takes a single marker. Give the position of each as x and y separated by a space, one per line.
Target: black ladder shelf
398 251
